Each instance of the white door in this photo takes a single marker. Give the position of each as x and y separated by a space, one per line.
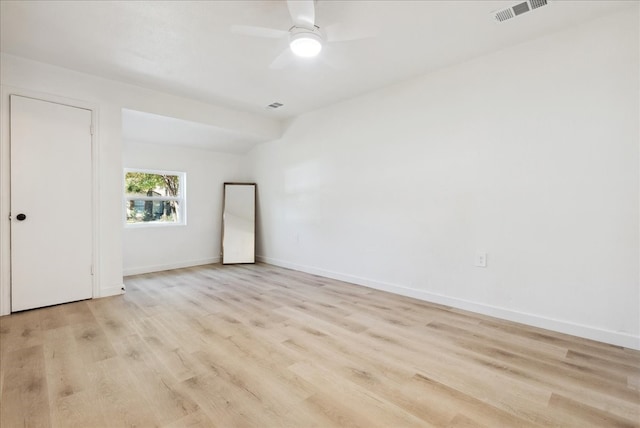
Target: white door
51 203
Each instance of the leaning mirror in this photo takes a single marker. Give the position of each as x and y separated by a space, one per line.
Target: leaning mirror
238 223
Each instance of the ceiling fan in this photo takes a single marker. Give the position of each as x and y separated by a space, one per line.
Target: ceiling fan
306 40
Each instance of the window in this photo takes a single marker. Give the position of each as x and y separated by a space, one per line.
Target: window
155 197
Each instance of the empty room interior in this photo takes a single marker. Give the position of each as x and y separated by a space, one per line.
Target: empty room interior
320 213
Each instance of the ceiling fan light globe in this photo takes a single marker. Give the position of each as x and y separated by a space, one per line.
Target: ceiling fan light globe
306 45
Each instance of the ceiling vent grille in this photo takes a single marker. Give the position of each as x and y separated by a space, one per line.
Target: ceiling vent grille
505 14
537 3
518 9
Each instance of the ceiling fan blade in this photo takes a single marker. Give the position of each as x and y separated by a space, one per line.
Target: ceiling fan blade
282 60
303 13
250 30
335 57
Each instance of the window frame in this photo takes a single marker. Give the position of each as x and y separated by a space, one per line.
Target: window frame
181 198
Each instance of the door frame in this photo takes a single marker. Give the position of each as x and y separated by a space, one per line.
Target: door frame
5 189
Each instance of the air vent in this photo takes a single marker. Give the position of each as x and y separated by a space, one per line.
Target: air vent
275 105
521 8
518 9
537 3
505 14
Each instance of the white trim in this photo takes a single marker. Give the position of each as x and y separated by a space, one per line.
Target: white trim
113 290
95 180
170 266
5 175
147 224
607 336
153 171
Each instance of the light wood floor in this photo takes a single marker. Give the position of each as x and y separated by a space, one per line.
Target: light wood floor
259 346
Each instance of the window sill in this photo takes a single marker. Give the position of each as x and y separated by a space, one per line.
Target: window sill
151 225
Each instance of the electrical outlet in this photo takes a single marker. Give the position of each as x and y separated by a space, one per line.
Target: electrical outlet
481 259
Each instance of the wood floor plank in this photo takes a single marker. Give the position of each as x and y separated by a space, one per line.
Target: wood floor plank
25 400
583 414
279 391
65 370
198 419
118 396
173 352
78 410
394 371
92 342
228 403
151 378
261 346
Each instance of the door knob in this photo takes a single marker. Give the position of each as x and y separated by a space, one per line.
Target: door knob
21 217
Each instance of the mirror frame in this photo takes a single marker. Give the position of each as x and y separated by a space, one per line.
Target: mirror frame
224 203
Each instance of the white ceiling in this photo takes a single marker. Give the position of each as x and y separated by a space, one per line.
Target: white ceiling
188 48
156 129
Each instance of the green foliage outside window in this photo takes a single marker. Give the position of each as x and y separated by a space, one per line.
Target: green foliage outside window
143 183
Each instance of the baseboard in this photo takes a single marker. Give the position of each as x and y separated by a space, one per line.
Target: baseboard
615 338
169 266
112 291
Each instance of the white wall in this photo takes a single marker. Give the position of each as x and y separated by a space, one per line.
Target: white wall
150 249
530 154
107 98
